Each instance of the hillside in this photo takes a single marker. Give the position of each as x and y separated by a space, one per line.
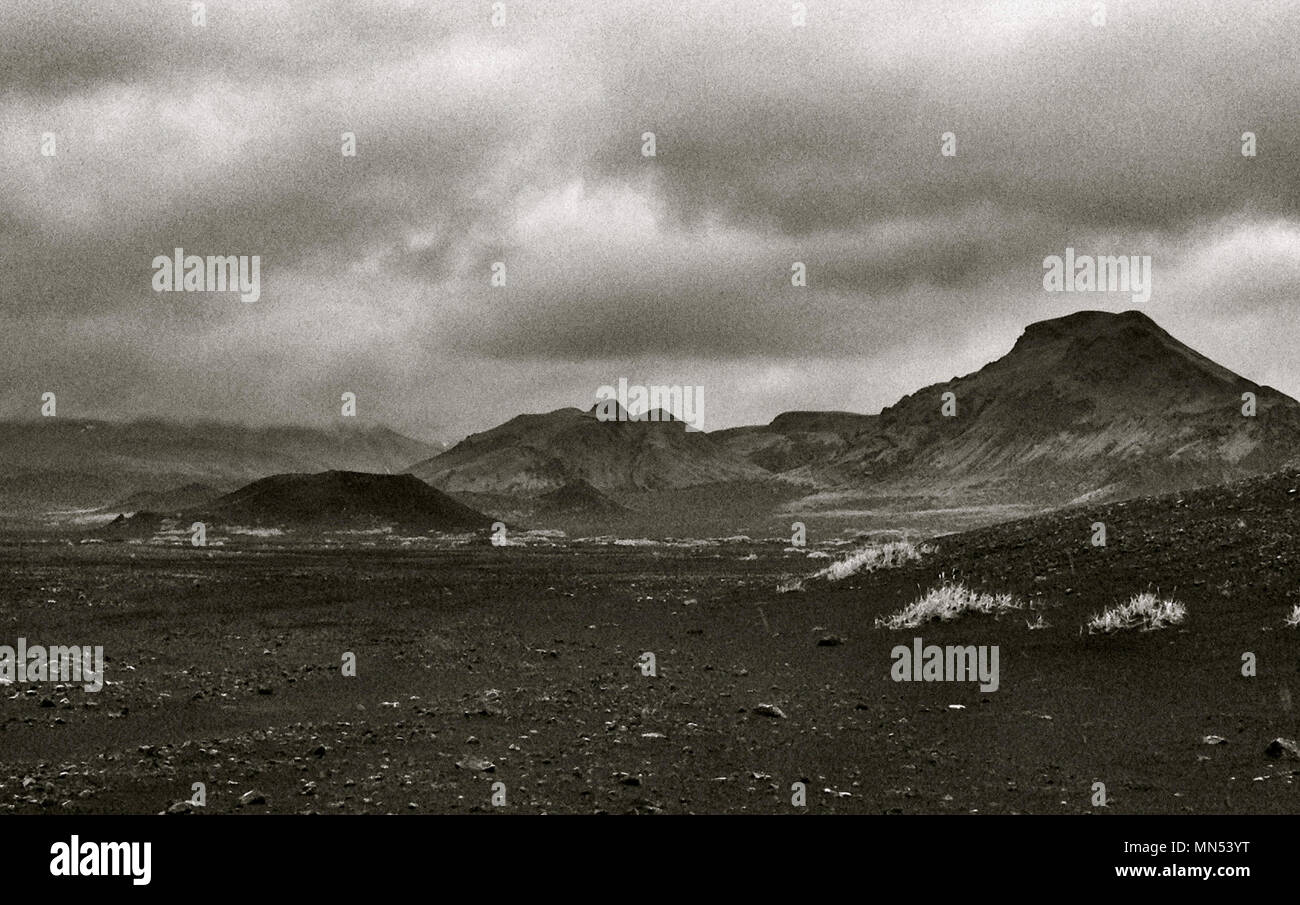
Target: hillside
795 439
1091 403
577 498
341 499
533 454
174 499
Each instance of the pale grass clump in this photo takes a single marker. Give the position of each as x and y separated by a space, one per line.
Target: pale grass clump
869 559
1145 611
945 602
1293 620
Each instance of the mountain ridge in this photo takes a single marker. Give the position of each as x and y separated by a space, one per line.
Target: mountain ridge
1086 403
1090 405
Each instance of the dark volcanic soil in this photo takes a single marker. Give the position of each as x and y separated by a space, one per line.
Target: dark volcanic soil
519 665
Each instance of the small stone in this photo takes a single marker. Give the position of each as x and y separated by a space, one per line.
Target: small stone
1283 747
477 764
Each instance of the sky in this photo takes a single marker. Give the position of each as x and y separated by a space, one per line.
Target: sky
521 142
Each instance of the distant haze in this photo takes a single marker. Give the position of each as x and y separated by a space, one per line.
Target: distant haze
522 144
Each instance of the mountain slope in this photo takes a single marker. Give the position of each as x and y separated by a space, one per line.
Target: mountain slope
795 439
577 498
341 499
533 454
174 499
1084 403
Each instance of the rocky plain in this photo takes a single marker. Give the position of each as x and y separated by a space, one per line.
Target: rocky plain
524 665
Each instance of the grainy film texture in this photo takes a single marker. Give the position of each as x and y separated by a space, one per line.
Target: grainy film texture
648 408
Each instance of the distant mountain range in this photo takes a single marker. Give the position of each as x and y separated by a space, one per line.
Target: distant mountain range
1089 406
1091 403
63 464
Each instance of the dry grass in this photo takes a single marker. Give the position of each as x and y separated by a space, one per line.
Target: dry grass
869 559
946 602
1145 612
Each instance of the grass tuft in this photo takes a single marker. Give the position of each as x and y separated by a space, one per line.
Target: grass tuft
869 559
946 602
1145 612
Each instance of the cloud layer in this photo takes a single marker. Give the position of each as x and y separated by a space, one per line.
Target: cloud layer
521 144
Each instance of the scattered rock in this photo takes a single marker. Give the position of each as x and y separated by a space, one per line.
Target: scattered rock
477 764
252 796
770 710
1283 747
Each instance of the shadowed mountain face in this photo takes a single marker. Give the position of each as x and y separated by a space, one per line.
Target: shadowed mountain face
795 439
1091 403
341 499
59 463
533 454
578 498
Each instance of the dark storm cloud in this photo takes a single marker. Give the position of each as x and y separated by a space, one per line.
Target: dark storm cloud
521 145
1132 124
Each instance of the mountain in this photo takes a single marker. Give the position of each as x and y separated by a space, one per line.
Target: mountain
60 463
1094 403
795 439
533 454
341 499
578 499
1089 406
174 499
